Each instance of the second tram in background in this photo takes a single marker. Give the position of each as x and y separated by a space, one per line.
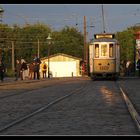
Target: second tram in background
104 56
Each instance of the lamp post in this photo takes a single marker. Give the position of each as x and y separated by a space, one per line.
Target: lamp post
49 45
1 13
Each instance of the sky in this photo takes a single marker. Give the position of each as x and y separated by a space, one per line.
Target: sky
117 17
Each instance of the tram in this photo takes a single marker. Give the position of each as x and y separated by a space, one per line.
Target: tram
104 56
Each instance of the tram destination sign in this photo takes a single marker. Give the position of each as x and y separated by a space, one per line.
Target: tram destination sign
104 36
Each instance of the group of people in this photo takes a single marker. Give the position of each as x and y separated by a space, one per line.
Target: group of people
31 70
138 66
34 70
128 67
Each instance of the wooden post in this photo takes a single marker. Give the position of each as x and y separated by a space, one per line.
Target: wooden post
85 47
38 48
13 56
84 38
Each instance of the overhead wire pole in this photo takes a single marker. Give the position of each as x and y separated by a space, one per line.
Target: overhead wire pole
38 49
85 46
103 19
13 56
1 14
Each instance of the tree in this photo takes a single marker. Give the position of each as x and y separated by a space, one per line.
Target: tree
30 37
126 40
68 41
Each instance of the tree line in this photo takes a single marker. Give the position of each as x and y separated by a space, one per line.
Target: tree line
68 40
26 40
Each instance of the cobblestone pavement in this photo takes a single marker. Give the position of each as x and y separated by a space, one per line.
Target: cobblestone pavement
10 86
97 110
132 89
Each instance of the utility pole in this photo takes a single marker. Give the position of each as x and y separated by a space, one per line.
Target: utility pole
1 14
13 56
85 47
38 48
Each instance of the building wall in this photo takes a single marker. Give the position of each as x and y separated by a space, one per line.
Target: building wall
63 66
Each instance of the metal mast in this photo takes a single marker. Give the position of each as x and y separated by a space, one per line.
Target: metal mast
85 42
103 19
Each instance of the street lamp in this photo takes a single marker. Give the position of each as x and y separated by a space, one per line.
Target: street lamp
1 13
49 40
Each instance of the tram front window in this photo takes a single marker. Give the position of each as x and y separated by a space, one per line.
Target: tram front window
96 50
104 50
111 50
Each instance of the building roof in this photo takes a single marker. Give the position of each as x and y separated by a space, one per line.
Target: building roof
62 54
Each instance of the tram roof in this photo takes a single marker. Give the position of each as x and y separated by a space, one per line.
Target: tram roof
104 40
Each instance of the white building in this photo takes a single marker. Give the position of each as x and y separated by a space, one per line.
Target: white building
63 65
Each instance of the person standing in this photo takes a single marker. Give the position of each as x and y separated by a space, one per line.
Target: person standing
36 70
24 69
17 70
31 70
2 71
128 63
43 69
138 66
37 63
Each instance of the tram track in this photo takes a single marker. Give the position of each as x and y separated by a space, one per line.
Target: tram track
19 82
130 106
42 108
27 83
22 92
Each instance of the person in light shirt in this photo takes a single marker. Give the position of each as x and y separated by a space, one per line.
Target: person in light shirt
128 63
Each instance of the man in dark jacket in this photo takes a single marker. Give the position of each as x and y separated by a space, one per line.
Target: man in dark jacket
18 69
2 71
36 67
138 66
36 70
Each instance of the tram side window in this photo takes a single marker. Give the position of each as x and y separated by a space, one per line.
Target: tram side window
96 50
111 50
104 50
